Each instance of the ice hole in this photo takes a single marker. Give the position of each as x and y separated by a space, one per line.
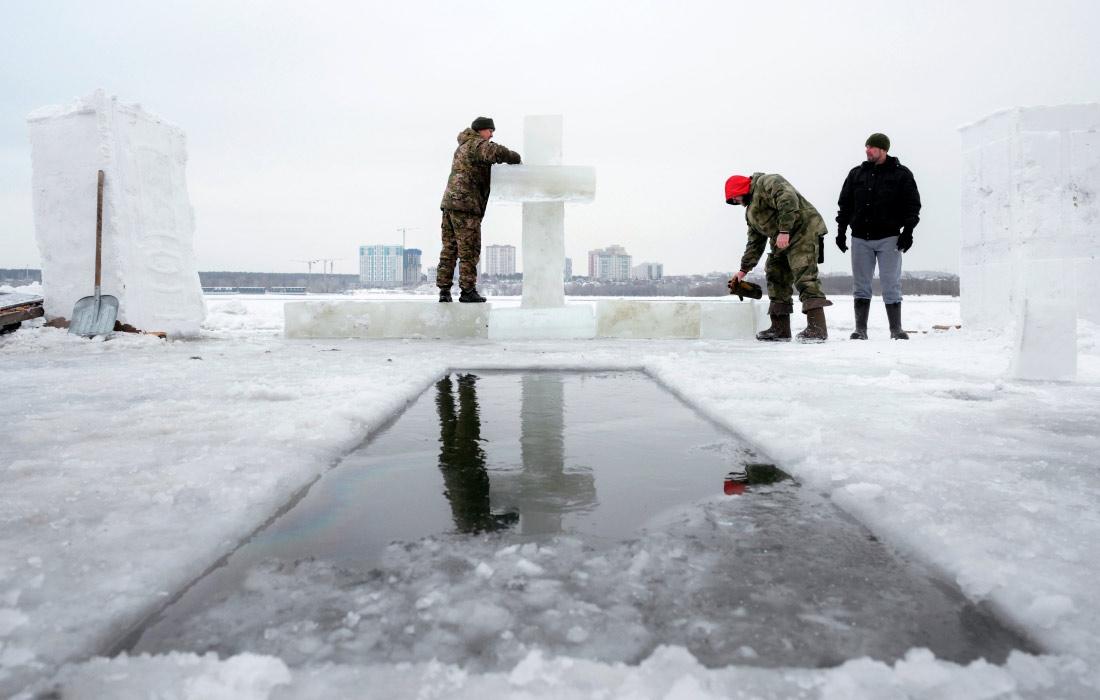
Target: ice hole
591 515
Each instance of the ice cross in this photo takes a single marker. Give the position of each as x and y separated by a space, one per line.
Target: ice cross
544 185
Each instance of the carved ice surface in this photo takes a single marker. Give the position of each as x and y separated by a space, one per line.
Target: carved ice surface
543 183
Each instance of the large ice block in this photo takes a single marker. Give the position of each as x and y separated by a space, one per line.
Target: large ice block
564 322
729 319
1046 322
148 260
717 320
543 183
385 319
1031 178
622 318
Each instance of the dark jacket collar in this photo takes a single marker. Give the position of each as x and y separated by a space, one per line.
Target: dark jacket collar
890 162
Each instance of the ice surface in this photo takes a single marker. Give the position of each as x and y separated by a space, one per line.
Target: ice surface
607 559
990 480
148 225
774 579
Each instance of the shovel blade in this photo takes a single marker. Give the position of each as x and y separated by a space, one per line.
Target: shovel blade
94 315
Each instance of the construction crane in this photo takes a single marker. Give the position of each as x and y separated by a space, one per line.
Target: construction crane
327 271
309 274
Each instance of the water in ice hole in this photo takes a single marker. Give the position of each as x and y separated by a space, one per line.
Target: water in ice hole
591 515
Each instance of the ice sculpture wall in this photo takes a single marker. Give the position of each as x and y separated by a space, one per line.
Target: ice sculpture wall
1031 230
148 226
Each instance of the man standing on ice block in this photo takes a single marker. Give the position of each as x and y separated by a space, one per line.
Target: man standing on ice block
776 212
879 198
464 207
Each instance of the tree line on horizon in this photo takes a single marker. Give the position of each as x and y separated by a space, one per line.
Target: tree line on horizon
710 285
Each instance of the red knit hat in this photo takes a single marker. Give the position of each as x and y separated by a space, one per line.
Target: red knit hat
737 185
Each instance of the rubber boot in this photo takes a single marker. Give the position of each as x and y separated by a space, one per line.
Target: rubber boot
780 329
893 312
863 308
816 331
470 296
445 295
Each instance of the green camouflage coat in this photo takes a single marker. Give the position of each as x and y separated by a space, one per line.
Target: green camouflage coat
468 184
774 206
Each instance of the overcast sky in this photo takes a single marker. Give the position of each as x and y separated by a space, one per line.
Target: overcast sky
314 128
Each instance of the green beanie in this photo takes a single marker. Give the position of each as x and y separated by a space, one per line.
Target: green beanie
879 141
483 123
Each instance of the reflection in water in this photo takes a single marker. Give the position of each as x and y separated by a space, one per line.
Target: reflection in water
462 460
753 475
537 493
547 489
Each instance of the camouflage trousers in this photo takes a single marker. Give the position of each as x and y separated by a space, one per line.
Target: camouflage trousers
462 244
794 266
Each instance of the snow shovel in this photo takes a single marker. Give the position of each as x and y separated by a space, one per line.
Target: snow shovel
95 315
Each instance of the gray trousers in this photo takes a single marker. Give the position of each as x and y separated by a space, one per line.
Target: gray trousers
864 256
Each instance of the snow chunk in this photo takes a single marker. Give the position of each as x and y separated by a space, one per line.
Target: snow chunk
864 491
1046 610
10 619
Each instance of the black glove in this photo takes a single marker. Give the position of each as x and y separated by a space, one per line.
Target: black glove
905 240
821 249
842 241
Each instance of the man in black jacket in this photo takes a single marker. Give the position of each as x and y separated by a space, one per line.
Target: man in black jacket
880 202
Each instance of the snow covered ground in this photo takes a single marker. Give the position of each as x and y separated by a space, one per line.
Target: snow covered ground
131 466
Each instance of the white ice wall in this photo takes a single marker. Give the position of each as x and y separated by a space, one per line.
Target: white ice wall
148 224
1030 201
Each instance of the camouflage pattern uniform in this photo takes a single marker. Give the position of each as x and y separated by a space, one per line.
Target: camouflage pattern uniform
774 206
464 206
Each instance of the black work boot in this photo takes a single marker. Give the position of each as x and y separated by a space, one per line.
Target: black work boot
780 329
470 296
815 331
893 313
863 307
445 295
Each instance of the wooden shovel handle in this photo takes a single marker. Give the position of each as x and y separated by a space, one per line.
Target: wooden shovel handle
99 228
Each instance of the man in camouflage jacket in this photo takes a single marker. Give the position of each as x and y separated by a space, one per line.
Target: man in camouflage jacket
777 213
463 207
